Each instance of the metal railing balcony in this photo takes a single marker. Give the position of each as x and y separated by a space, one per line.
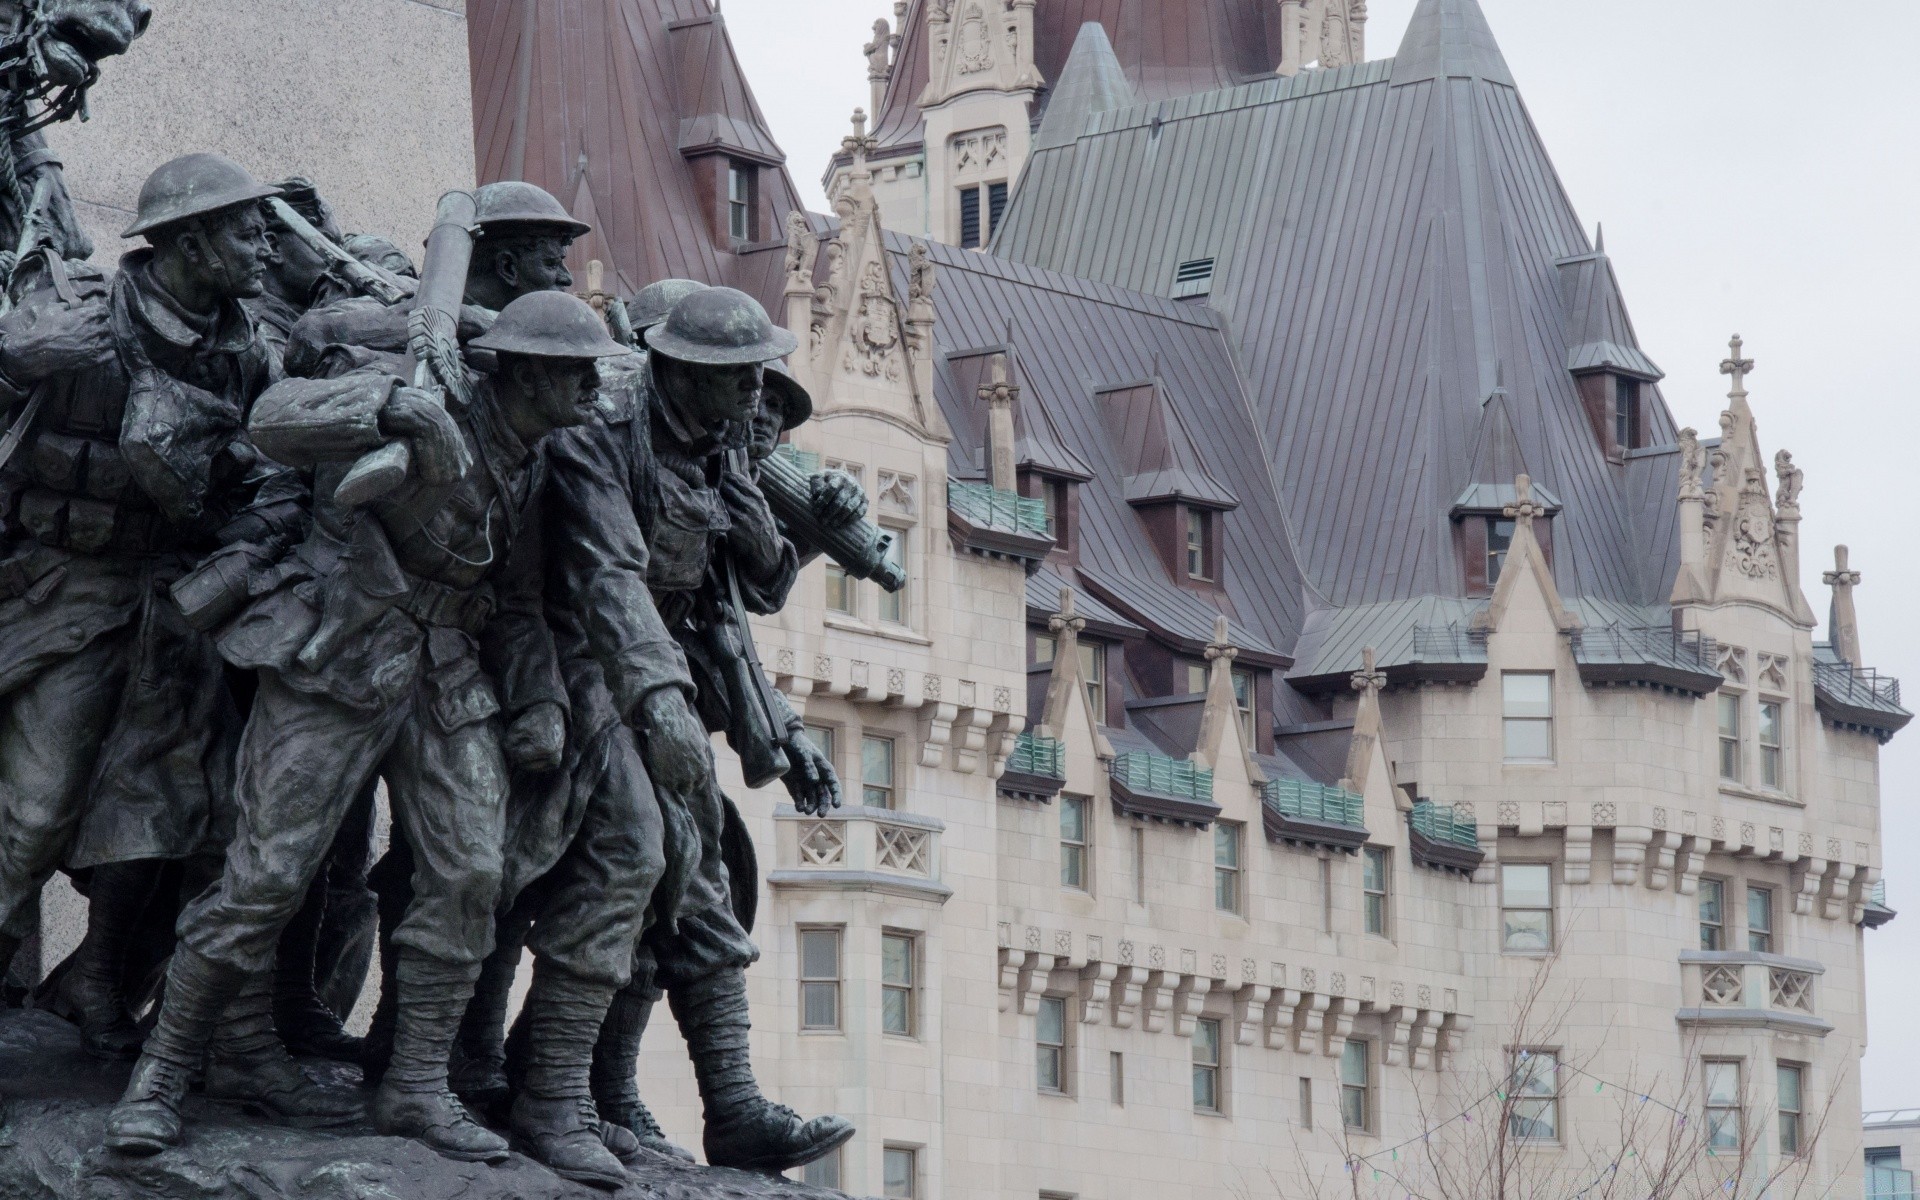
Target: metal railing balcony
1305 800
1035 755
1158 775
1857 685
985 505
1439 823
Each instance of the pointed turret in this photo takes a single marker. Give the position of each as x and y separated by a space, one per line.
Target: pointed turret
1092 82
1449 39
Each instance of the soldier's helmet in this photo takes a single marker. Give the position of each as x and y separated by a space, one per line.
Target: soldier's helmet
513 207
192 186
303 196
796 404
654 301
550 325
721 327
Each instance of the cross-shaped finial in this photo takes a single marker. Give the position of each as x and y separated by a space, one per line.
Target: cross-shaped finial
858 144
1524 508
1067 622
1841 576
1369 678
1737 367
1220 647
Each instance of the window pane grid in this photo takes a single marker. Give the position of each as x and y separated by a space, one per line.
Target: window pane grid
1535 1114
898 953
1528 715
1206 1065
1760 919
1526 902
1073 843
901 1168
1226 867
876 771
1792 1110
1724 1123
1730 752
1713 914
1356 1078
1050 1049
1771 743
1499 541
820 979
1374 884
1093 673
893 605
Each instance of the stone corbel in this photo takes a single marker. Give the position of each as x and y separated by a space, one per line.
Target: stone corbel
1689 862
936 732
1309 1021
1837 887
1250 1013
1339 1025
1660 861
1013 965
1156 999
1453 1034
1630 852
1127 985
1281 1006
1425 1032
1869 876
1033 983
971 726
1096 990
1579 854
1189 999
1398 1022
1810 873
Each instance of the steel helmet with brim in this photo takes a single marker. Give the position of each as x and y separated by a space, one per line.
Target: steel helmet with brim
653 302
515 207
194 186
796 404
721 327
550 325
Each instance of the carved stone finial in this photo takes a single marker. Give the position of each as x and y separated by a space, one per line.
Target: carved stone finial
1220 647
920 275
1843 626
1737 366
1067 623
879 51
1792 479
1693 463
1369 678
1524 508
1842 575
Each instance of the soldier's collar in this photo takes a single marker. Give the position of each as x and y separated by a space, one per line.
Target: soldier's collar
229 330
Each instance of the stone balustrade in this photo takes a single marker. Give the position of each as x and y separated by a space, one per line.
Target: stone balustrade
859 849
1746 987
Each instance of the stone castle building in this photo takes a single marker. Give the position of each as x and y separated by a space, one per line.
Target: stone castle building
1339 731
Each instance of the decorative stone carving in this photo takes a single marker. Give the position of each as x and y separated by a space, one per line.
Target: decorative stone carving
1773 671
1605 813
1754 553
1721 985
1692 464
1509 813
1732 662
803 250
823 844
974 42
898 492
874 342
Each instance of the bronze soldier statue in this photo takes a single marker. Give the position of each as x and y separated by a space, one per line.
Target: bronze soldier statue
655 503
370 661
126 459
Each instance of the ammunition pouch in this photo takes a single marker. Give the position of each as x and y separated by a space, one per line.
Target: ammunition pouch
437 605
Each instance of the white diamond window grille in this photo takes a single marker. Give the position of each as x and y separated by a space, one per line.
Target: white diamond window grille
903 849
1723 986
823 844
1792 990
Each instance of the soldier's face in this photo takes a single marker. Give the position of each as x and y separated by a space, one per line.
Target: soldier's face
233 251
562 391
536 265
725 395
767 423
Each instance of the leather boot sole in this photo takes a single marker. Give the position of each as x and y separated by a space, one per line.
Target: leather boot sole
139 1147
788 1162
599 1179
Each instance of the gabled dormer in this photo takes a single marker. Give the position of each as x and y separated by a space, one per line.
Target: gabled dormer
1484 516
1181 504
723 134
1615 378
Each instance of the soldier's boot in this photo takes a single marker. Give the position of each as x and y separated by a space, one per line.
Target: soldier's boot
249 1065
414 1099
744 1129
307 1026
479 1072
94 987
553 1119
616 1082
147 1118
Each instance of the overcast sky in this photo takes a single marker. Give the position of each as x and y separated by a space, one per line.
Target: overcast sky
1754 164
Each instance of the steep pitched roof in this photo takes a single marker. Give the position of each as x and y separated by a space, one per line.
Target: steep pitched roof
1388 239
605 95
1070 338
1093 81
1163 47
1597 322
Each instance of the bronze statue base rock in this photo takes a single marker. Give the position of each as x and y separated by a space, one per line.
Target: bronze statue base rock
54 1101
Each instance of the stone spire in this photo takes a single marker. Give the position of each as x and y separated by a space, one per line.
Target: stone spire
1843 626
1449 39
1368 681
1000 395
1221 712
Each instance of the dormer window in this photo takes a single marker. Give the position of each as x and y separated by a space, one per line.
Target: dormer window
1053 494
1483 532
981 208
1626 413
742 202
1499 534
1200 555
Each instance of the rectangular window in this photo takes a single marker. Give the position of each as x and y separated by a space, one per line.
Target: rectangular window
893 605
1226 866
1196 678
820 979
840 589
1206 1065
1093 673
1306 1103
1626 413
899 968
876 771
1772 742
1723 1105
1045 646
1499 541
823 1172
971 235
1528 722
1713 914
1243 703
996 206
1760 919
1139 865
1356 1085
1374 879
825 740
1535 1115
1526 908
1073 842
1117 1079
1050 1045
901 1168
1053 493
1792 1110
740 180
1730 750
1198 533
